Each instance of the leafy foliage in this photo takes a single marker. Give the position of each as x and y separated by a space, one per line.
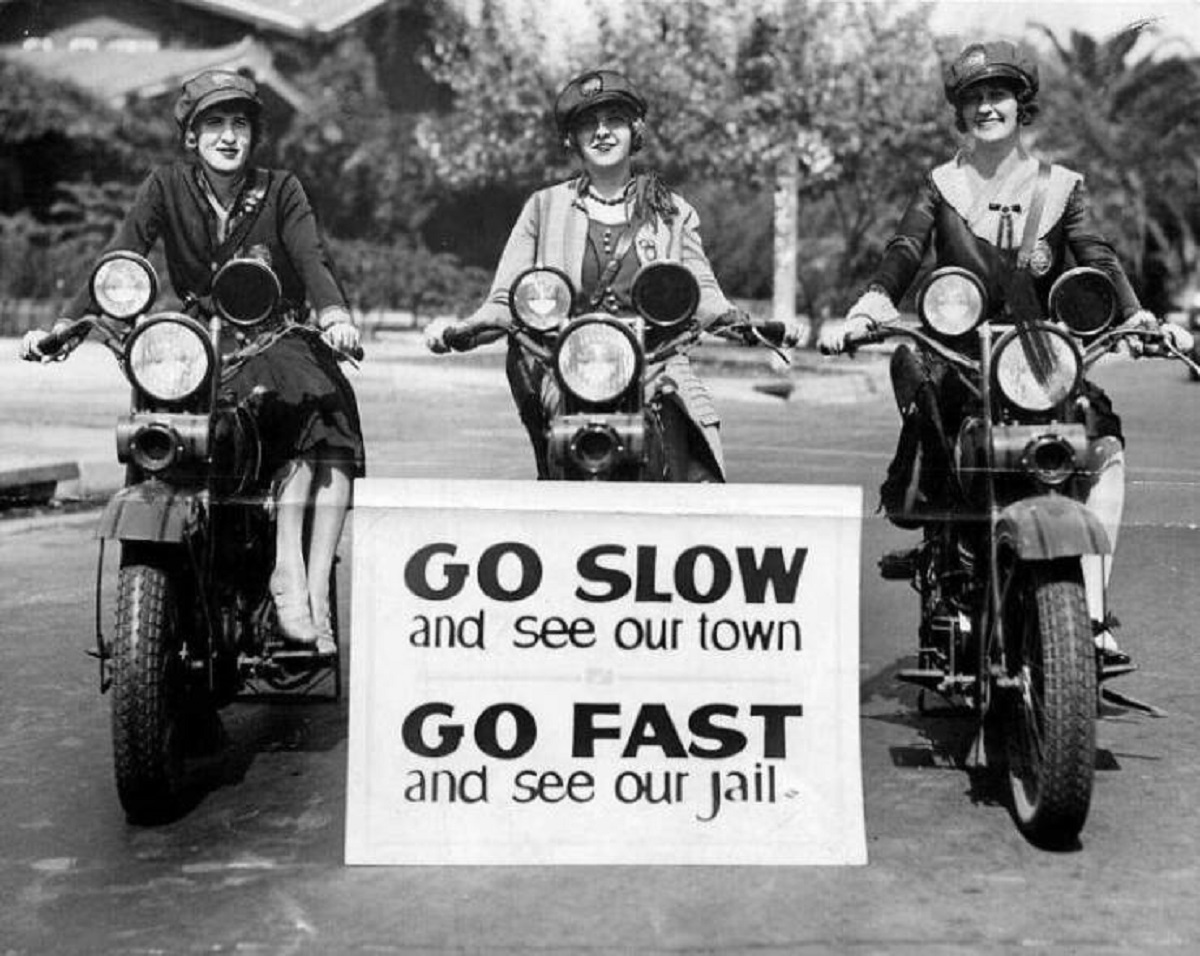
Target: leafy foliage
354 153
411 128
51 259
733 88
1130 124
406 275
501 127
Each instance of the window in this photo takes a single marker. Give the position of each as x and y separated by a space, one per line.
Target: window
133 44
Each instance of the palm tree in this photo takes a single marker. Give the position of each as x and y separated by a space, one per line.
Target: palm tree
1130 124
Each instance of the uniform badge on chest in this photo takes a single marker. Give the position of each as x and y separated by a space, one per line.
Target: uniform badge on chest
1041 259
647 250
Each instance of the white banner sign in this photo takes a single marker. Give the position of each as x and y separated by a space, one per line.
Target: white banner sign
605 674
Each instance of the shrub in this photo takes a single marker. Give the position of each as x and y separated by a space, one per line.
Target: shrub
407 275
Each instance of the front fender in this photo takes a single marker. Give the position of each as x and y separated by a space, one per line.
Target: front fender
1051 526
149 511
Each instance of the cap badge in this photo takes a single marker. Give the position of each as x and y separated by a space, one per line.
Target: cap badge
975 59
591 86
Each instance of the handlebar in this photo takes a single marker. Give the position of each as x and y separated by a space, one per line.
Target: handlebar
884 332
1156 343
770 333
353 355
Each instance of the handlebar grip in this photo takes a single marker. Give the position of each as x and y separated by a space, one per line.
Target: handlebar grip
54 341
874 337
458 340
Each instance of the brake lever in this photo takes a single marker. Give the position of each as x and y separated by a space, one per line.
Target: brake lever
761 339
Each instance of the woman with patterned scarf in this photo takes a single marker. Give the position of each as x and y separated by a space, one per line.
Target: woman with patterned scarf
599 228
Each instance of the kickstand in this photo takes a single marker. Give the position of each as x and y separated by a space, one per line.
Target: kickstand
1123 700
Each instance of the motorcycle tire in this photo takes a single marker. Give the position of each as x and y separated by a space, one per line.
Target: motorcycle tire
1050 718
148 693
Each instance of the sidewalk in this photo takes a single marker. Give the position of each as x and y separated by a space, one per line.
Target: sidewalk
64 414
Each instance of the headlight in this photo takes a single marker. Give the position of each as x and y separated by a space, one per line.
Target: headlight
952 302
541 298
597 360
168 357
245 291
123 285
1036 368
665 293
1084 300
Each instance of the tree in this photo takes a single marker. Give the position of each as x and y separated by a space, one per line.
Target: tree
848 92
842 99
1130 124
500 129
67 167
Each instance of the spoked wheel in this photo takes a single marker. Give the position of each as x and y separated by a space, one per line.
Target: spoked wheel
1050 701
148 688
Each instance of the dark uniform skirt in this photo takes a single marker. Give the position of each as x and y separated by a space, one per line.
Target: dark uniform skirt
305 408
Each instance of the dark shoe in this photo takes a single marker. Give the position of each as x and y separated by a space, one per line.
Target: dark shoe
899 494
899 565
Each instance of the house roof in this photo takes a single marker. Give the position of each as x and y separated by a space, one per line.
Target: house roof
295 17
153 72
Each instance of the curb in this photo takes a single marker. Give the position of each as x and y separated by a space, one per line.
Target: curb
11 527
83 498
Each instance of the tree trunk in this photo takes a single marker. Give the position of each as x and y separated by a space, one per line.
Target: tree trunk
786 213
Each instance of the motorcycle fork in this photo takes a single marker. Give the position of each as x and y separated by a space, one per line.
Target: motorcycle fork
989 630
656 465
102 652
196 598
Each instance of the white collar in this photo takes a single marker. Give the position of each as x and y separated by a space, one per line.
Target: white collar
1017 190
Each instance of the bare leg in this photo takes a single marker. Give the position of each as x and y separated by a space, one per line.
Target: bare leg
1106 498
332 486
294 483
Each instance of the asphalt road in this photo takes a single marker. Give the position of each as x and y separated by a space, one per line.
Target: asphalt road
256 866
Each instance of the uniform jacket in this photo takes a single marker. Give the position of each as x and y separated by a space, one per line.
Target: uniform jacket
172 205
983 233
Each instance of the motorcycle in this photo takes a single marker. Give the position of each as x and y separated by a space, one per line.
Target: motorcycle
612 407
1004 629
195 624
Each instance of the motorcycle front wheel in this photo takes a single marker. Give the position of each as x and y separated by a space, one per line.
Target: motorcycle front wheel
148 689
1050 717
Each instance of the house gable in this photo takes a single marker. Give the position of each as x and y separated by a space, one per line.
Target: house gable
60 23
